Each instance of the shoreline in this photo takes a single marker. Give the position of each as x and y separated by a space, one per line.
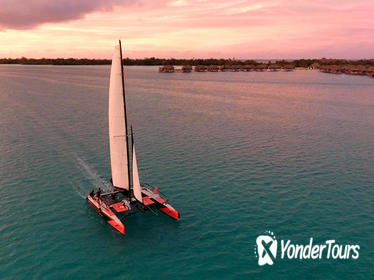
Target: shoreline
152 61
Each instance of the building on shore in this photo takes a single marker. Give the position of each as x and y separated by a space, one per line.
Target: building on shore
314 65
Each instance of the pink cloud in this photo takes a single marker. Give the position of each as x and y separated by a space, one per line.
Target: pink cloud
186 28
20 14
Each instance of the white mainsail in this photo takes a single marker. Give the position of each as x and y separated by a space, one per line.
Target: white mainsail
135 177
117 125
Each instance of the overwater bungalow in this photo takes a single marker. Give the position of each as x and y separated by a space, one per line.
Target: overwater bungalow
230 68
324 68
354 70
333 69
366 70
213 68
274 67
359 70
225 68
261 67
166 69
288 67
201 68
348 69
247 68
336 69
186 68
370 71
235 68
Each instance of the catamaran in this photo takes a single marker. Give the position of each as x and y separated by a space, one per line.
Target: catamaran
128 195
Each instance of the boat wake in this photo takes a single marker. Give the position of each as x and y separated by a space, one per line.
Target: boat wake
92 176
79 190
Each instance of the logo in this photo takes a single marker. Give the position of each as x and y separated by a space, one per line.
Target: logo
266 248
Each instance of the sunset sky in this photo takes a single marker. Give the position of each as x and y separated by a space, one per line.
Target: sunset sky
188 28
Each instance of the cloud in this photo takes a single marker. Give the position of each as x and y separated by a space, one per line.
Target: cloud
178 3
27 14
186 28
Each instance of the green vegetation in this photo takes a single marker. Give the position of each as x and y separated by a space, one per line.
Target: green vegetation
306 63
128 61
54 61
193 62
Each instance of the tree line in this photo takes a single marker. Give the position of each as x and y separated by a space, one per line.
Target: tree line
153 61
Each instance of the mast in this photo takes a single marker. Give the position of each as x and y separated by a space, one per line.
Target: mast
132 139
131 188
124 108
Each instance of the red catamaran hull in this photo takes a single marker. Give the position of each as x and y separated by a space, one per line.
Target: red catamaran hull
106 213
170 212
151 200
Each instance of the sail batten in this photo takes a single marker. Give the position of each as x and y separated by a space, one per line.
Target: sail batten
117 124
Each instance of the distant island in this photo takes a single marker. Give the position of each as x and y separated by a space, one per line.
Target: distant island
153 61
334 66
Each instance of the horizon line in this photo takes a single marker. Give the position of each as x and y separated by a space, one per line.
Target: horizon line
197 58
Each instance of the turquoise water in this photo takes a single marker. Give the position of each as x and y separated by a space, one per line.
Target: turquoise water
236 153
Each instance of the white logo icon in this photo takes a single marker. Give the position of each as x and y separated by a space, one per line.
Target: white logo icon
266 248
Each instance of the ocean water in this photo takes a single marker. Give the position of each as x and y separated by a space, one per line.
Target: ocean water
236 153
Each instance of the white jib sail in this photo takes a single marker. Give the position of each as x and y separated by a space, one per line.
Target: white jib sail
135 178
117 126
